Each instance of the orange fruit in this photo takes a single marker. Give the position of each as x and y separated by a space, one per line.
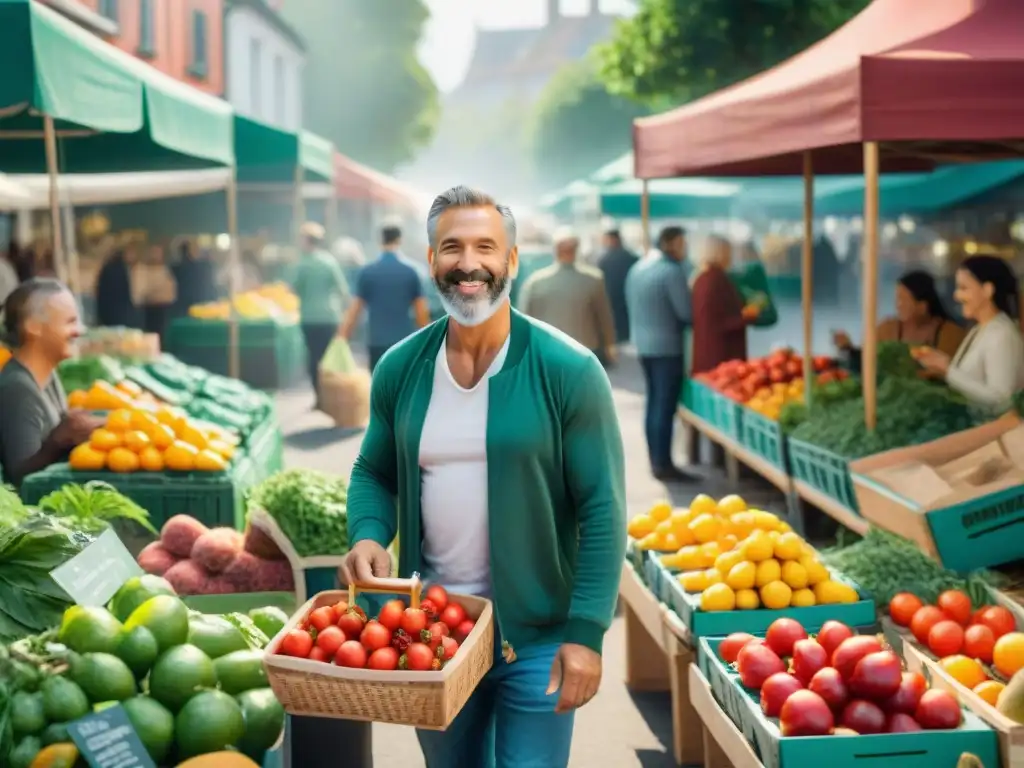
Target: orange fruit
180 456
966 671
161 436
989 691
122 460
143 420
77 399
210 461
193 436
104 439
130 388
119 420
151 460
167 415
136 440
1008 655
85 458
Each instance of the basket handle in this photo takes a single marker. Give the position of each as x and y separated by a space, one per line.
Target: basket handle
412 587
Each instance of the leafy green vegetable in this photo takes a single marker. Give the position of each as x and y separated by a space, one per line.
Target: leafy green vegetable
93 506
255 637
82 373
12 511
309 507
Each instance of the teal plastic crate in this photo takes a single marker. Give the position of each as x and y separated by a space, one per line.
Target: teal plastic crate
242 602
721 623
716 409
213 498
763 437
824 471
266 448
921 749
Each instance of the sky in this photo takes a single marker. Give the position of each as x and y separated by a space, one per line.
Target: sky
448 42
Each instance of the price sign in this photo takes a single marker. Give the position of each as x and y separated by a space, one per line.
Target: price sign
93 575
107 740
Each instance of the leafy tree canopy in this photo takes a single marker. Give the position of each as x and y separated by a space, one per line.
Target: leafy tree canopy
674 51
577 125
364 87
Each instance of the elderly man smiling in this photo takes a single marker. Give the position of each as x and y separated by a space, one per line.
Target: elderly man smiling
494 451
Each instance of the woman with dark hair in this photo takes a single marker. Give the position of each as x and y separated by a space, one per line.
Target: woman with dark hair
988 368
921 319
114 304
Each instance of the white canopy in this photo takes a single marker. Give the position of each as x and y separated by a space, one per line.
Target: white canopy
13 195
113 188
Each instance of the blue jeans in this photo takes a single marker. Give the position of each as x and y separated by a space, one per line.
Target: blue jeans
664 377
508 722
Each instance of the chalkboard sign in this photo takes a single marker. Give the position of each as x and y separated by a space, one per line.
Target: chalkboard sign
93 575
107 739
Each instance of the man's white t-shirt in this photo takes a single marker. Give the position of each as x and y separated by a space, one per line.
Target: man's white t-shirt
453 467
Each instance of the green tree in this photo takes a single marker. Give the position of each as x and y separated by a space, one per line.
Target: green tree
577 125
674 51
364 87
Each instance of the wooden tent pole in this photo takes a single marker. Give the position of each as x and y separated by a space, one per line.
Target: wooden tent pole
50 142
807 275
645 217
234 277
298 207
869 356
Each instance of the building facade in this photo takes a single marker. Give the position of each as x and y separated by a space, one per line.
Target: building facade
182 38
264 61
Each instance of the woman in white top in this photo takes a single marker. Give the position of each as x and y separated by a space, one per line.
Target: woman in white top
988 368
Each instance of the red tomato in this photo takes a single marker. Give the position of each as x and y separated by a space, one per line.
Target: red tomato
461 631
414 621
453 615
832 634
923 621
437 633
375 636
449 646
729 648
808 658
776 690
912 687
330 639
863 717
946 638
339 609
979 642
430 609
937 710
317 654
351 654
956 605
903 607
391 614
756 663
352 623
901 722
322 618
438 596
418 658
805 714
851 651
383 659
877 676
829 684
998 619
297 643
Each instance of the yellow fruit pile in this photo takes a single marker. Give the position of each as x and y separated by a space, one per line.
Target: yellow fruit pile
768 401
141 440
270 301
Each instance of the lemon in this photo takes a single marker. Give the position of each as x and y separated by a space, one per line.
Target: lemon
794 574
785 527
718 597
650 541
816 572
670 561
747 600
664 527
742 523
725 561
703 504
765 520
713 576
711 550
788 546
757 546
661 511
833 592
690 559
640 526
727 542
680 522
741 575
767 572
802 598
727 505
669 542
776 595
684 536
693 581
705 528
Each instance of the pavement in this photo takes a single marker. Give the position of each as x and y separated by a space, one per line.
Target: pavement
617 729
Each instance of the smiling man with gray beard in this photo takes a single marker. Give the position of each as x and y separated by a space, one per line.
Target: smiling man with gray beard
494 452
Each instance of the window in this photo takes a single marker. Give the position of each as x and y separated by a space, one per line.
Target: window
147 37
256 77
199 44
279 91
108 9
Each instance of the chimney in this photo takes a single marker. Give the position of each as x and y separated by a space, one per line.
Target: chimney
554 11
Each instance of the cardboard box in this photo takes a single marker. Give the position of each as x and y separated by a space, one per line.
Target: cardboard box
960 498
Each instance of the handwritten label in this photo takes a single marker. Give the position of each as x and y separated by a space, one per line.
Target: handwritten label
93 575
107 740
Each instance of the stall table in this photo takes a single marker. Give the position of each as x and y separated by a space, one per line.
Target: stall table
723 744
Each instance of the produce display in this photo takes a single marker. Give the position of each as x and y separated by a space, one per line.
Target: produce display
197 560
310 509
190 684
271 302
128 344
738 558
420 639
837 682
79 374
981 649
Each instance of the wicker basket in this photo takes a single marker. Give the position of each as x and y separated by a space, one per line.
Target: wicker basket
428 700
345 397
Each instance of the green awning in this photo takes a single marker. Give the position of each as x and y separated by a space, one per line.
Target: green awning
270 155
619 169
113 112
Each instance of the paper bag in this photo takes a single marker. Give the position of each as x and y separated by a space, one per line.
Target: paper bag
914 480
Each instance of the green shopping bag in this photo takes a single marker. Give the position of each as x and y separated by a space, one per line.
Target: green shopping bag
752 282
338 358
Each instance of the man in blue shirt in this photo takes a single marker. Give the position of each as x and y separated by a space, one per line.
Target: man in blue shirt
391 290
658 299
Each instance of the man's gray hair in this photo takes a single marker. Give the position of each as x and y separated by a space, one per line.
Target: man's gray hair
465 197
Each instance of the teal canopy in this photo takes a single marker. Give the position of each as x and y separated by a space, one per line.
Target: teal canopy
619 169
112 111
266 154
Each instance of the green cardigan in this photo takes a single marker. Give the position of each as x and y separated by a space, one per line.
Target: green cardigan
556 478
